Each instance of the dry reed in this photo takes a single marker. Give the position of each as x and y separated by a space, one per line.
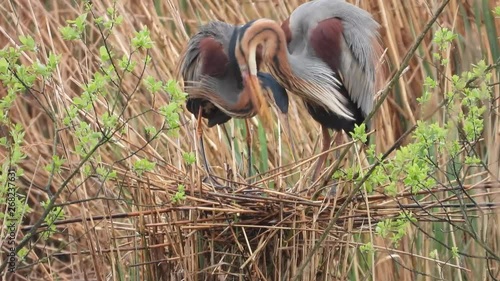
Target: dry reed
255 228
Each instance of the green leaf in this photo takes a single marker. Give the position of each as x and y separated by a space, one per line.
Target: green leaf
496 11
4 65
454 252
142 39
79 22
41 69
119 20
69 33
103 53
180 195
28 43
367 248
53 60
127 64
143 165
189 158
359 133
110 11
151 130
152 85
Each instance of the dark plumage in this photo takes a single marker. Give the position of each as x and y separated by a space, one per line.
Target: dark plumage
209 66
215 84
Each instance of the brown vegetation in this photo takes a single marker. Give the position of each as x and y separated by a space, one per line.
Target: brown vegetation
261 228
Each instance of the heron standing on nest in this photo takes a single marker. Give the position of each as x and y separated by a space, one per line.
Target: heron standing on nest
217 88
325 52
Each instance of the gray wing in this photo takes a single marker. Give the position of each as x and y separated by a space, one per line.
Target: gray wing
191 61
360 46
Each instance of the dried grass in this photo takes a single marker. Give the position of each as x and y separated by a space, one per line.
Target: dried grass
256 228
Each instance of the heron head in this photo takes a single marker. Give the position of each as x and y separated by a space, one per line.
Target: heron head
247 63
246 52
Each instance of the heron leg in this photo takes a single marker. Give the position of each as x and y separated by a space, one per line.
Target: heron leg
249 148
321 160
199 132
338 141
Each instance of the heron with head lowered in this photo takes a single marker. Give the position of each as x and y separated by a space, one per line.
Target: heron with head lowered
325 53
218 89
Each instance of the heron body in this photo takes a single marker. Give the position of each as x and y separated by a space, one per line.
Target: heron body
343 37
325 52
217 89
213 79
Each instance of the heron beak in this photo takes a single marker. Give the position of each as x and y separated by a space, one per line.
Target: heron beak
256 95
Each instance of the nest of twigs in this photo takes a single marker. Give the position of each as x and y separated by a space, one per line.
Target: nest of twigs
240 230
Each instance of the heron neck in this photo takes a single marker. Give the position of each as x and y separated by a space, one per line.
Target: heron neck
232 62
279 60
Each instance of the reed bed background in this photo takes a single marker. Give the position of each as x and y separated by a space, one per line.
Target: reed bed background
264 226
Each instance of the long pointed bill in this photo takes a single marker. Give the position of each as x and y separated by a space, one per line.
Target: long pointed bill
253 84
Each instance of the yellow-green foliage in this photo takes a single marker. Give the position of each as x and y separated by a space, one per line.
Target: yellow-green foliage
106 165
